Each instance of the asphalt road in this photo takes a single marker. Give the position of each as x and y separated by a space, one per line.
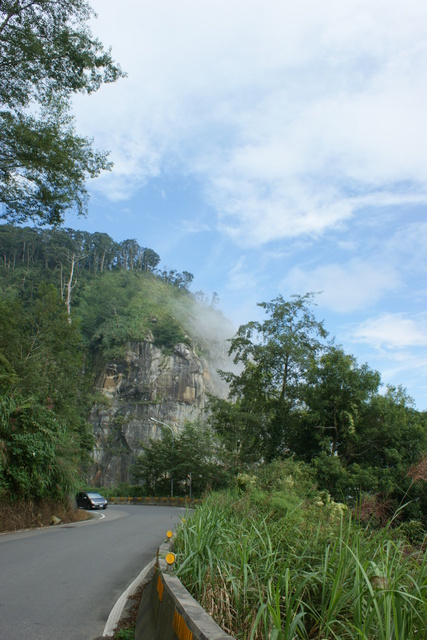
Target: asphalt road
61 583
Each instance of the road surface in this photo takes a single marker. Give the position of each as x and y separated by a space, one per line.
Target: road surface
61 583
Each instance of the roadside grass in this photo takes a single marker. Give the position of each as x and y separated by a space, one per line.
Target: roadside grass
301 567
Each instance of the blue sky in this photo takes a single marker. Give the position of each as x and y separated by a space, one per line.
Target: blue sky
276 148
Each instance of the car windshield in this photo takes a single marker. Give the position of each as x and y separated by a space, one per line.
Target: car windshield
95 495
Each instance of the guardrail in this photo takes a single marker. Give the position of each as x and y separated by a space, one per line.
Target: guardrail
167 611
155 500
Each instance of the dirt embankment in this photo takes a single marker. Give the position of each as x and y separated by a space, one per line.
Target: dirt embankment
15 516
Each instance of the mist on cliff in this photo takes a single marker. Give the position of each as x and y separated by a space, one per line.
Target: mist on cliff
210 332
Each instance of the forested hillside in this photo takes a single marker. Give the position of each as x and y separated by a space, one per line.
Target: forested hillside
70 303
81 314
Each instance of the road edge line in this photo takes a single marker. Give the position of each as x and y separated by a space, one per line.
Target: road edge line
117 610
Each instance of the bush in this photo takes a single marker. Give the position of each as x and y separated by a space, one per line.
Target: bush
37 457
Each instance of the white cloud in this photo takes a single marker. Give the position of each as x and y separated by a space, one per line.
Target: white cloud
393 331
240 277
291 138
293 115
345 288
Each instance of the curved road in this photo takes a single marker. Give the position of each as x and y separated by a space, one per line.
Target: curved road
61 583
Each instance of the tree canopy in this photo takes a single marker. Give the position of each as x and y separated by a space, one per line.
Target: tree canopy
276 355
191 456
299 396
47 53
44 436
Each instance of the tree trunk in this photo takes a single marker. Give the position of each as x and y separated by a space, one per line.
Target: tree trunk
70 287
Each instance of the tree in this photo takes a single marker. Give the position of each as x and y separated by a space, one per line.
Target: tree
102 253
337 393
195 451
381 447
45 352
392 438
150 259
44 437
47 53
276 355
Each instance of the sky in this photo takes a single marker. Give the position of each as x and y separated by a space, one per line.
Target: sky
275 148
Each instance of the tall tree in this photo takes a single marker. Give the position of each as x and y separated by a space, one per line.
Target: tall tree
276 355
47 53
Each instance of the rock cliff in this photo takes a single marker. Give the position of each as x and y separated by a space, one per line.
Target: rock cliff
170 387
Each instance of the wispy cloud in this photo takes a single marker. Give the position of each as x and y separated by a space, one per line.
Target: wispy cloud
345 287
393 331
293 116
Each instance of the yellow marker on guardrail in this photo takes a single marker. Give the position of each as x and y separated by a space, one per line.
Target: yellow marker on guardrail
169 534
170 558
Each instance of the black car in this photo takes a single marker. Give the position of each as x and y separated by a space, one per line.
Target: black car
91 500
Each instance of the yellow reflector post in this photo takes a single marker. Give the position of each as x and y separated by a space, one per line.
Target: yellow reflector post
170 558
169 534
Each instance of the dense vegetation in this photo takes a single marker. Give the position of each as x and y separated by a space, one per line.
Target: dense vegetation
69 302
277 559
299 395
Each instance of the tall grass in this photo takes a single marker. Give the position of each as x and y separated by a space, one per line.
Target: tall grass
307 572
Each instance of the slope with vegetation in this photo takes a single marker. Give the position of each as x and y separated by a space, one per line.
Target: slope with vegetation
304 430
275 558
71 302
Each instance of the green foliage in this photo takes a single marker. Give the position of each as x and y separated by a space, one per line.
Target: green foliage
336 394
43 348
240 429
45 437
122 307
116 291
167 332
388 440
297 396
47 53
276 355
51 358
193 450
38 458
44 165
125 634
302 570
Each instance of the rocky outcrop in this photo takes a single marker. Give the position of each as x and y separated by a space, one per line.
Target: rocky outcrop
148 383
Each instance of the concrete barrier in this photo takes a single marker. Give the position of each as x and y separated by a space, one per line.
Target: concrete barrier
168 612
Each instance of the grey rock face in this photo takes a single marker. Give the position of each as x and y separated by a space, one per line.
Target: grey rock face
147 383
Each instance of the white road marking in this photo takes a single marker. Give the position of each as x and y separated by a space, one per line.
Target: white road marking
116 611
